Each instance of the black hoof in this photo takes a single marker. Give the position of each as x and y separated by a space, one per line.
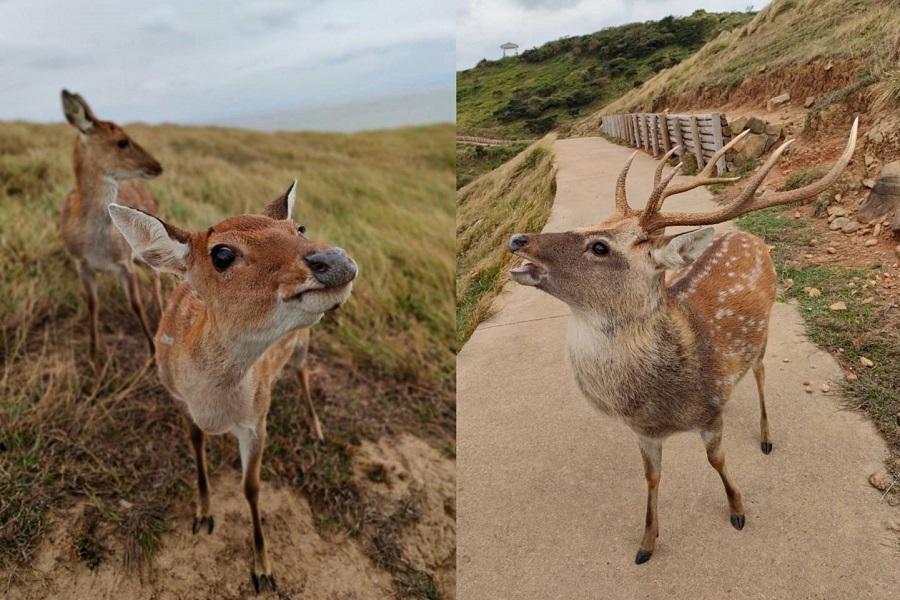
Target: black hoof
200 522
738 521
643 556
766 447
263 582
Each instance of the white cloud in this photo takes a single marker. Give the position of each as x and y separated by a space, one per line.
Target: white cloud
214 60
482 25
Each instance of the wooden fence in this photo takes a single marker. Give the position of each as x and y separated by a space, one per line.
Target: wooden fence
657 133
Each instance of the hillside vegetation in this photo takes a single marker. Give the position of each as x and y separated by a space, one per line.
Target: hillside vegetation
515 197
552 85
111 437
805 47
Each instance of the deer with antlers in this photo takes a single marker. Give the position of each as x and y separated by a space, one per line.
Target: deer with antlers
254 285
107 161
665 354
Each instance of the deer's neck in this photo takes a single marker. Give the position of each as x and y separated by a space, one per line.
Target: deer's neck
623 364
95 189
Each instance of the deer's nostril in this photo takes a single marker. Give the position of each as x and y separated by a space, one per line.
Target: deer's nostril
518 241
331 267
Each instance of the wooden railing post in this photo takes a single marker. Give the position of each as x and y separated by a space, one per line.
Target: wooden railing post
718 141
664 132
654 136
698 144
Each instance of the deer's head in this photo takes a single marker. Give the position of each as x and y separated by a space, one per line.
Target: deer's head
105 146
260 275
616 268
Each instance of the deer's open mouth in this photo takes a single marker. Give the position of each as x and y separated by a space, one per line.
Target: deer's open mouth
528 273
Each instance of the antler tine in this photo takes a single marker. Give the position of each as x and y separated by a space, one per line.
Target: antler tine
705 177
662 163
733 209
622 206
655 199
816 187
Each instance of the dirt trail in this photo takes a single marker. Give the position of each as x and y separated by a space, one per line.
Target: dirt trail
551 493
306 564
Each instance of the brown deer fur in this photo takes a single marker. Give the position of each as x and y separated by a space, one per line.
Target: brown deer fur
106 161
227 332
665 354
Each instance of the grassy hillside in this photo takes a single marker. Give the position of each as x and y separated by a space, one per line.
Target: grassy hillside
804 46
112 436
515 197
473 160
553 85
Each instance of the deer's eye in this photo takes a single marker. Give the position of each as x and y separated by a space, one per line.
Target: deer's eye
222 257
600 248
123 143
302 231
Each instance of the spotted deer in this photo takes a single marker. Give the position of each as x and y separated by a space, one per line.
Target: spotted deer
107 161
664 354
253 286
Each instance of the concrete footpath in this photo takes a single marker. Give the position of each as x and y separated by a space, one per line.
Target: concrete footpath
551 493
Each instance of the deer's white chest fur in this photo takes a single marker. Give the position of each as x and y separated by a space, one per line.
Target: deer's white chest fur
216 404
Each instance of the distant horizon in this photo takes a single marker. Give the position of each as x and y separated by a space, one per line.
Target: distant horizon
432 112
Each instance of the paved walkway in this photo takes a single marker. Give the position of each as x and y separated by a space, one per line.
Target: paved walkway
551 493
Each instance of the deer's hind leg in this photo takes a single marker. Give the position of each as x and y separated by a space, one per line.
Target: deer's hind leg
651 453
202 517
765 441
712 439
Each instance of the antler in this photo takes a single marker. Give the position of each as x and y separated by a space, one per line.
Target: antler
622 207
652 219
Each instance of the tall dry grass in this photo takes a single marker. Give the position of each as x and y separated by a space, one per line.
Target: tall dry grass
517 196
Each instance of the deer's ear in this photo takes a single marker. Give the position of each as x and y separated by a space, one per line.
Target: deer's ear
160 245
282 207
77 112
673 252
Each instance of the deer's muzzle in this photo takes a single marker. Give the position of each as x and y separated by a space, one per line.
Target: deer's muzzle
332 267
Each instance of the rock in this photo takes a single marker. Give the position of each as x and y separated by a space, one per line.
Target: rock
774 129
755 125
851 376
850 227
876 231
810 100
871 242
825 388
881 480
828 66
812 292
738 125
893 500
838 223
866 362
796 214
777 101
840 305
885 195
785 360
831 250
836 211
751 147
869 159
808 390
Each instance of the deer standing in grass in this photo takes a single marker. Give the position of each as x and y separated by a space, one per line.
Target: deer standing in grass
106 163
664 355
253 286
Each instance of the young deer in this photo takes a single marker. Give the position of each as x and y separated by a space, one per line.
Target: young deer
664 356
106 160
253 286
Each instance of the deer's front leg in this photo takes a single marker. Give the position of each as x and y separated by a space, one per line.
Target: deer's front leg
252 441
712 437
651 452
133 293
202 517
90 292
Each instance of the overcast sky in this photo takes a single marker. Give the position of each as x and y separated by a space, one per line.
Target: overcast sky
482 25
217 61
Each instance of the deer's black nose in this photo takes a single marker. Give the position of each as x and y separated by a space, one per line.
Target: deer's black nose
517 242
331 267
